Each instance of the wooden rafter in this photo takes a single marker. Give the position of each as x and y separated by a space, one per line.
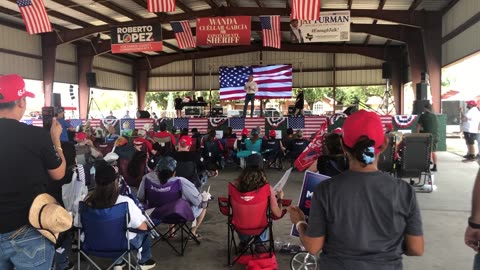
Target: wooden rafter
349 4
118 9
381 4
259 3
86 11
415 4
171 47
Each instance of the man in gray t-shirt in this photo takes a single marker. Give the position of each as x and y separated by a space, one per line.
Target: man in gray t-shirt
362 219
365 231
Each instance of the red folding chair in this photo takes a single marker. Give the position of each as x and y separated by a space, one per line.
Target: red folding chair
248 214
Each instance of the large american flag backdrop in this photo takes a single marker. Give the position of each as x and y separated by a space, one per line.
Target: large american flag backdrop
200 123
273 81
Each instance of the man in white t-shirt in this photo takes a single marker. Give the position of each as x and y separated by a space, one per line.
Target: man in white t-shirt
251 88
470 122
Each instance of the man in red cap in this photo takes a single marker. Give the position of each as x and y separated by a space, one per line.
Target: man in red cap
363 218
30 156
470 122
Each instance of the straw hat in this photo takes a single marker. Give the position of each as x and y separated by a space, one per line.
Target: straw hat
48 217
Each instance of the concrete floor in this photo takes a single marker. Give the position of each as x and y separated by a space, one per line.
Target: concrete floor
444 214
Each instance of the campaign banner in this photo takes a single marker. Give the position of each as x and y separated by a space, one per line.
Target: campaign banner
223 31
310 182
330 27
139 38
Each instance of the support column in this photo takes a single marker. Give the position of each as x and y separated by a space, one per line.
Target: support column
49 55
416 55
141 86
432 36
397 87
84 65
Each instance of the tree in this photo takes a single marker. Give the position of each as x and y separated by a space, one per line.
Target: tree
312 95
161 98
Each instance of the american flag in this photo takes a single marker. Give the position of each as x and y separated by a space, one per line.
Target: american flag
239 123
75 122
386 119
95 123
35 16
271 31
305 9
140 123
200 123
308 124
273 81
183 34
160 5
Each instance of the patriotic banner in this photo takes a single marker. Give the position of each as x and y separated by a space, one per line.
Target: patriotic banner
200 123
305 9
309 124
310 182
336 121
313 150
140 123
139 38
279 124
239 123
330 27
33 122
160 6
404 122
273 81
183 34
34 16
271 35
126 126
218 123
224 31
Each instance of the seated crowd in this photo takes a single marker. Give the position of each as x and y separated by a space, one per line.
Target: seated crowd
360 218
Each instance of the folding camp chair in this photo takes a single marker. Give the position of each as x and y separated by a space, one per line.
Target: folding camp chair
248 214
386 160
105 235
165 145
416 150
170 208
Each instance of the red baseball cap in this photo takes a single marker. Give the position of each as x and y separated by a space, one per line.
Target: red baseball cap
363 123
272 133
245 131
472 103
12 88
185 141
80 136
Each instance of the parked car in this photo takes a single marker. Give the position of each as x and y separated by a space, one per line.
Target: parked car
234 113
269 112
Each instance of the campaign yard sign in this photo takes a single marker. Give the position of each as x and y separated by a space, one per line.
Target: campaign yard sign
223 31
310 182
330 27
139 38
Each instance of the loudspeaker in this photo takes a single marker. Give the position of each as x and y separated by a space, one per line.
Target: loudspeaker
91 79
419 106
57 100
386 70
291 109
143 114
192 111
217 111
422 91
424 77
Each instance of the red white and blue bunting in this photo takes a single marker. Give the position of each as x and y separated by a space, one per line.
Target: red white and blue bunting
404 121
276 121
337 117
217 121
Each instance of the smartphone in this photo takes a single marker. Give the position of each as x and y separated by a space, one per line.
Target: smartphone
47 117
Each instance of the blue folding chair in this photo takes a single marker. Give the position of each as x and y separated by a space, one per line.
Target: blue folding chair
105 235
170 208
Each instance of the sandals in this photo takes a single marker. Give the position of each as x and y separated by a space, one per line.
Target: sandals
198 236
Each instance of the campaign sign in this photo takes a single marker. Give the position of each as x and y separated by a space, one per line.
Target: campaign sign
330 27
223 31
310 182
139 38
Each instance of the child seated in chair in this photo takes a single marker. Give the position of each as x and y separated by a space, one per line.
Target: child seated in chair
105 195
165 172
252 178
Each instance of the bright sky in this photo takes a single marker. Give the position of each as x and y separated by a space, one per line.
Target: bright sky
464 75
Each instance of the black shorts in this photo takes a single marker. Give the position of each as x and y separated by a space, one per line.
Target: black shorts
470 137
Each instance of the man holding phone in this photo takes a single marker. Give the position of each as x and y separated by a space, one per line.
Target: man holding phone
29 158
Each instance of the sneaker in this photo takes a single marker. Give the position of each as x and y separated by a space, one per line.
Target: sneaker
434 168
148 264
470 158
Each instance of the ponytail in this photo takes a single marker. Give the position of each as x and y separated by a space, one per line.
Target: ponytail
363 150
